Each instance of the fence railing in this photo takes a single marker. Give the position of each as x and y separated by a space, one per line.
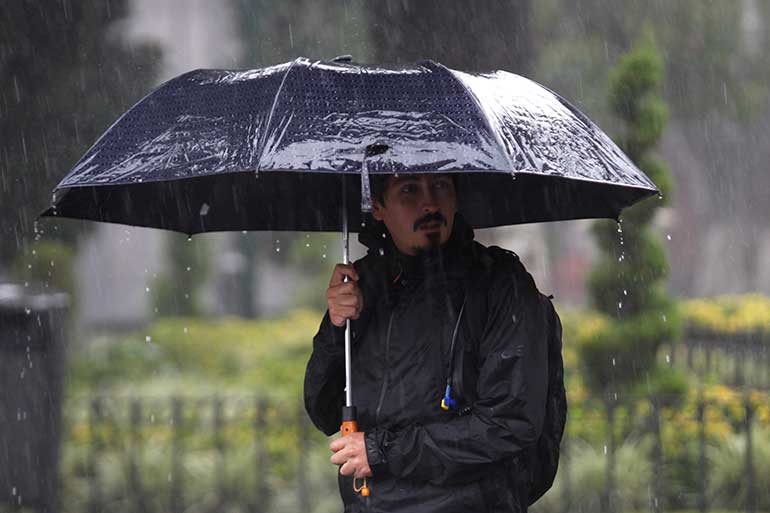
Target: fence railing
245 454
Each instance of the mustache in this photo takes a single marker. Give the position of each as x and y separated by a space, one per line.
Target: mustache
430 218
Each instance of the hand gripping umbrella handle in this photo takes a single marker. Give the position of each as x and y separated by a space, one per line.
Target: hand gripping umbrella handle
350 426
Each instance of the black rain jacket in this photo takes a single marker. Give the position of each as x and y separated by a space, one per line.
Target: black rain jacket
423 458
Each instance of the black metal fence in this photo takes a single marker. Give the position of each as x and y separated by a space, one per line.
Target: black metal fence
265 456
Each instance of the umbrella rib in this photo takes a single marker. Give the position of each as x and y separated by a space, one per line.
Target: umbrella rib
498 139
266 131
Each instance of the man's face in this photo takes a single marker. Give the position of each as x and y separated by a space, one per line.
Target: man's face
419 210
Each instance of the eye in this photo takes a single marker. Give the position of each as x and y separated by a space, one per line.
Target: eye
410 187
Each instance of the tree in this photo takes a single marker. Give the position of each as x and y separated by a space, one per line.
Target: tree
66 78
628 284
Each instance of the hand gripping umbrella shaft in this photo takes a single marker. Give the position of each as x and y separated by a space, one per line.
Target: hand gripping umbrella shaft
349 422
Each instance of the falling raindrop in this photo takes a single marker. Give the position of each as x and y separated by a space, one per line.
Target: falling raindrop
323 256
625 292
613 362
147 289
668 358
185 329
188 267
620 305
382 252
668 236
605 450
148 338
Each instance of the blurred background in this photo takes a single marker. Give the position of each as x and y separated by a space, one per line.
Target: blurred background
142 371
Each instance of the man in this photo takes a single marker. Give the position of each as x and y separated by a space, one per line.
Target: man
450 353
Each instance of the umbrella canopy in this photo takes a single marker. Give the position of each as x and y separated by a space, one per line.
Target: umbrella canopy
265 149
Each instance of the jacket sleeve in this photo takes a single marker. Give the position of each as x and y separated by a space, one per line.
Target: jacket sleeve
325 377
509 411
324 387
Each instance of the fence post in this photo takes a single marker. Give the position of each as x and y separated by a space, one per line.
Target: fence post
566 461
751 494
701 412
219 444
657 458
303 488
176 500
94 420
262 499
135 446
607 500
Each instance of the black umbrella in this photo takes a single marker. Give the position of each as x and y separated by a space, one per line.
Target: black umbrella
270 149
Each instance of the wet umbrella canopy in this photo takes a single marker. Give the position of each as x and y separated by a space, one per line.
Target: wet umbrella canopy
264 149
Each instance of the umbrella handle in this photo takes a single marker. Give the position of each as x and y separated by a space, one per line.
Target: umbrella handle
348 427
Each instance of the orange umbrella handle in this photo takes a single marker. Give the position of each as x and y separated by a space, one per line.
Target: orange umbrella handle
349 426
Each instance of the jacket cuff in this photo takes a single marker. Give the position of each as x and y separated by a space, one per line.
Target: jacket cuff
375 450
333 337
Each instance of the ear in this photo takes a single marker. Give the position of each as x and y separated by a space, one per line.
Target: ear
377 210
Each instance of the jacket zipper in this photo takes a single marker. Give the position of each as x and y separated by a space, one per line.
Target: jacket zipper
387 371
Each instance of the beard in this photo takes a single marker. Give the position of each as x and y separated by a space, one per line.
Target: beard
432 248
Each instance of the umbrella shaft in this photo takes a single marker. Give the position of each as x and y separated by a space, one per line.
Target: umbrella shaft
345 259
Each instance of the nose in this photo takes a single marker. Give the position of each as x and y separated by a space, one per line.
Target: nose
429 201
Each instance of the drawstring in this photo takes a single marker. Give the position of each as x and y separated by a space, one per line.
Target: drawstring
447 403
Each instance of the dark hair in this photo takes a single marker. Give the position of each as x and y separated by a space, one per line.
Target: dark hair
379 181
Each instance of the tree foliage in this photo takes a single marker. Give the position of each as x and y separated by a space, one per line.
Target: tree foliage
628 284
66 77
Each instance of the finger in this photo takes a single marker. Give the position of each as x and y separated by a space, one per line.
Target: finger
342 270
363 471
348 468
346 300
338 458
350 287
337 444
346 312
